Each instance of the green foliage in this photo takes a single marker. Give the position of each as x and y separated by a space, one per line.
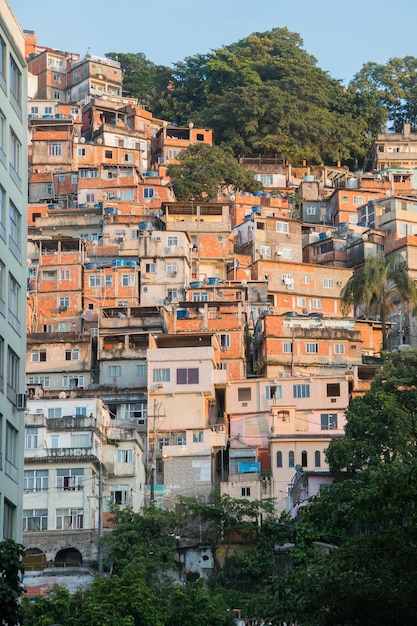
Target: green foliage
368 577
11 588
391 90
204 171
262 94
146 538
373 288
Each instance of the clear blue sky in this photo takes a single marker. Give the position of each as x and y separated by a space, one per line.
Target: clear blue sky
342 35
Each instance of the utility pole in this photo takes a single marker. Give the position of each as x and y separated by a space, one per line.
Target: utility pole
100 519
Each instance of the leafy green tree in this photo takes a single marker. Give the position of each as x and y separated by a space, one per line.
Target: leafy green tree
373 287
390 88
204 171
262 94
367 577
11 587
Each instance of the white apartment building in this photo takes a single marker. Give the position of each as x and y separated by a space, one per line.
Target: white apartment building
13 210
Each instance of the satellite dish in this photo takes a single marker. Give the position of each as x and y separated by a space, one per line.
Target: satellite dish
364 237
82 140
328 233
100 141
94 242
62 395
39 393
304 311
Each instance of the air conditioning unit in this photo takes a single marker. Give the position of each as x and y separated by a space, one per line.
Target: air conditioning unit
21 402
157 239
159 385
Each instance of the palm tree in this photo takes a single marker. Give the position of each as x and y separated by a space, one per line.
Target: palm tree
374 286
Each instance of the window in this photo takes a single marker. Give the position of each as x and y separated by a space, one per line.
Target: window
57 78
357 200
161 375
10 466
128 280
15 156
265 251
115 370
69 479
80 411
328 421
13 375
64 275
312 348
2 212
137 411
345 199
9 519
35 480
244 394
109 280
35 519
328 283
287 253
200 296
287 279
54 441
187 376
317 458
142 369
90 197
64 303
70 382
128 157
120 495
148 193
54 413
108 154
245 491
181 441
339 348
15 82
282 227
125 456
301 302
279 458
72 355
2 60
39 380
48 110
150 268
311 210
1 366
224 341
198 436
172 241
304 458
81 151
54 148
306 280
127 194
291 460
273 391
301 390
287 347
49 275
333 390
2 136
171 268
315 303
86 173
172 294
69 519
94 280
37 356
163 441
